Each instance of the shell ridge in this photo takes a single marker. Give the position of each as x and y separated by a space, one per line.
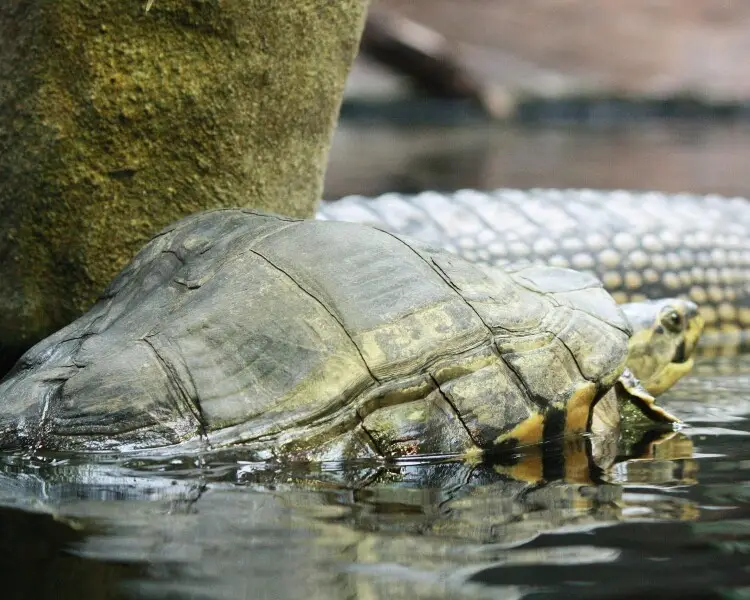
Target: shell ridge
444 276
192 284
448 280
529 394
456 412
321 304
369 435
572 354
181 379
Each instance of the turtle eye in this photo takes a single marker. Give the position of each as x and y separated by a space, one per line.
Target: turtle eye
672 321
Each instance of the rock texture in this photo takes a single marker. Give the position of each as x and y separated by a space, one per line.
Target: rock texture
120 116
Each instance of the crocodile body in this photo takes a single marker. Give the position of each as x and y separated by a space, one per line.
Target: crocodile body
640 244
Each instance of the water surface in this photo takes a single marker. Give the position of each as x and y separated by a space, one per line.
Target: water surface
674 522
671 519
693 157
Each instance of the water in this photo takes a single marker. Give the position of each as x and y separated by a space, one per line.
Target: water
675 521
670 157
671 519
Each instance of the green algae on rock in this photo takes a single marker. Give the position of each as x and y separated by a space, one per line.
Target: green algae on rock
115 121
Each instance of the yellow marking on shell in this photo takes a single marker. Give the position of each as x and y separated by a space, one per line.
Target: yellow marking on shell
454 368
727 312
528 431
620 297
612 279
744 315
578 408
698 294
424 335
709 314
638 297
651 275
530 468
416 415
473 455
633 280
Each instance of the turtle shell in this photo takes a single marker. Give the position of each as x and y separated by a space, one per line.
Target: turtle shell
317 340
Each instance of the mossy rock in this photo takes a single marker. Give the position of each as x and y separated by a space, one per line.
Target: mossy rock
115 121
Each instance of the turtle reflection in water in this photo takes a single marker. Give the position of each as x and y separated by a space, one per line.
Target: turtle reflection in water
270 520
320 341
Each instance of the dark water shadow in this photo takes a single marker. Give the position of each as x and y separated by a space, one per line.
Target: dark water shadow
39 561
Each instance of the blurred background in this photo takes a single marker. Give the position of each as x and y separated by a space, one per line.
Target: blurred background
646 94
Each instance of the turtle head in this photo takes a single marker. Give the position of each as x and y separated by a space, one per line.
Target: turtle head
660 352
665 334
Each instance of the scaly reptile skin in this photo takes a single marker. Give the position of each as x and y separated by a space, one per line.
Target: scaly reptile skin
640 244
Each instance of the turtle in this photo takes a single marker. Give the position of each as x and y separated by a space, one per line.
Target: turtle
310 340
665 335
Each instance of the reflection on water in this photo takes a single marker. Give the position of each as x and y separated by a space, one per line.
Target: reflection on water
669 157
670 517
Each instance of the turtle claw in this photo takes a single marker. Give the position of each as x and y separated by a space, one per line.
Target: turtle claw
634 391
